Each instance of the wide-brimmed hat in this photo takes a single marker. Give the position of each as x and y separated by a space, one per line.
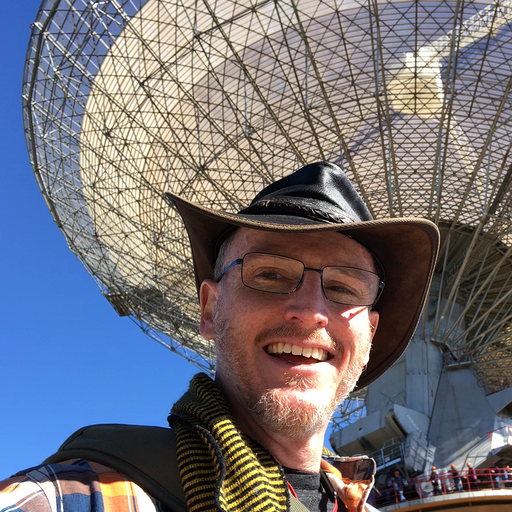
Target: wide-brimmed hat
317 198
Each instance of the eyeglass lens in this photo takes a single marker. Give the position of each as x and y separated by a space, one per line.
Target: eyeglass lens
279 274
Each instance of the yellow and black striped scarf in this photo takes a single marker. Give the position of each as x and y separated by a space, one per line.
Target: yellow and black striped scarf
220 467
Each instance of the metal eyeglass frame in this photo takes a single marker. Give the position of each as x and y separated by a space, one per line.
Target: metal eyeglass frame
239 261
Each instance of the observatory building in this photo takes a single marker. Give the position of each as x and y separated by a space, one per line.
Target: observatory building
125 100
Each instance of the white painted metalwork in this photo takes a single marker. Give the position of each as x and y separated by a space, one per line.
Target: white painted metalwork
125 100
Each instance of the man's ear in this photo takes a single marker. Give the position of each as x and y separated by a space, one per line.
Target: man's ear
207 297
374 321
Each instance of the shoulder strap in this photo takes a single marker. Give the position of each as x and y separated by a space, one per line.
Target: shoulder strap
147 455
296 505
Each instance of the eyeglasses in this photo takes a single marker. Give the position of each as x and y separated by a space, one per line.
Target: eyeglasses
282 275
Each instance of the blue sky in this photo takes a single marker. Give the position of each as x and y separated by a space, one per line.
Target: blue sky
66 359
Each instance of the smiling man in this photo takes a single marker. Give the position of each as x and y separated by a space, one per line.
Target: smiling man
306 297
293 331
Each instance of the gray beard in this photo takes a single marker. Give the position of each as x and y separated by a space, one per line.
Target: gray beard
300 419
303 417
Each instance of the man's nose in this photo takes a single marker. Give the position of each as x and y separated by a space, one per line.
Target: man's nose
308 303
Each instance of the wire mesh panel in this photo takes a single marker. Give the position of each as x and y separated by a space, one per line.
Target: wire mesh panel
127 100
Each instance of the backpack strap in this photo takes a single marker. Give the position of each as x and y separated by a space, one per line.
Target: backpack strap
296 505
147 455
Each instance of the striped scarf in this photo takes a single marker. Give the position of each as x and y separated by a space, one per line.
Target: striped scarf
222 469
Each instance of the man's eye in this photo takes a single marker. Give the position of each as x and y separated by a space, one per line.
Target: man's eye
339 288
271 279
269 274
266 275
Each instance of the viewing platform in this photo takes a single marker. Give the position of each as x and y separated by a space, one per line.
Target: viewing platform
490 492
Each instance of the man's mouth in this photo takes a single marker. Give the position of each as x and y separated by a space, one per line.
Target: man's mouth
310 353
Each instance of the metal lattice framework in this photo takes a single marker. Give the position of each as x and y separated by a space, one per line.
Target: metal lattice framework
124 100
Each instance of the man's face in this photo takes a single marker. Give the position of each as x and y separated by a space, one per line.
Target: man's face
254 331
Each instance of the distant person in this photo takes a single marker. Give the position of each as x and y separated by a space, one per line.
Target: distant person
471 477
456 479
435 480
305 296
398 485
495 476
507 476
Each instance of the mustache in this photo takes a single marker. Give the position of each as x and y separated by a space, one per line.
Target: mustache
295 331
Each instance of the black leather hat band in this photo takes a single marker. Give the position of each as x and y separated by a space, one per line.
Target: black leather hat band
278 206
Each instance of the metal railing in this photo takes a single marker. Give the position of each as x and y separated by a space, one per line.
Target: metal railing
391 453
444 482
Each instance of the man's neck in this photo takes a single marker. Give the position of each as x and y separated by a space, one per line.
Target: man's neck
302 453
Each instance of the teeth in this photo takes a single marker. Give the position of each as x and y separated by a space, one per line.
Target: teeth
287 348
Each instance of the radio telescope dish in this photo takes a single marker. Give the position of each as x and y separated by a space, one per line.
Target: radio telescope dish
126 100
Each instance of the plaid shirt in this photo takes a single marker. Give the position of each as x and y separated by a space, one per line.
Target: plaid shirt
74 486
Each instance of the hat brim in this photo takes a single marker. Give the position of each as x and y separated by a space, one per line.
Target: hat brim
406 248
